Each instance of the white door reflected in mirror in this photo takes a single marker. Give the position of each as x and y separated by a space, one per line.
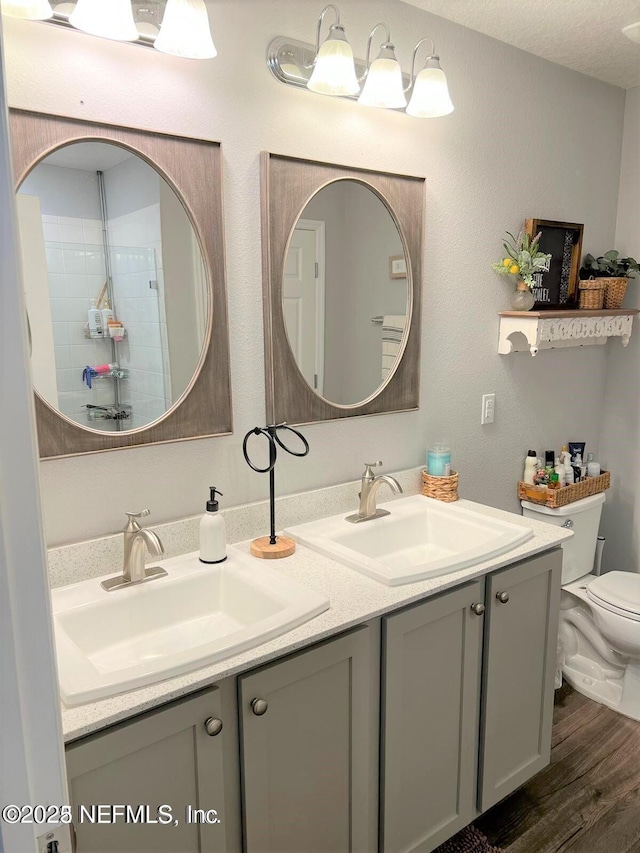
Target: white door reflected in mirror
345 307
116 289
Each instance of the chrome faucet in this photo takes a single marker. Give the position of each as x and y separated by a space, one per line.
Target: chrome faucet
368 493
137 541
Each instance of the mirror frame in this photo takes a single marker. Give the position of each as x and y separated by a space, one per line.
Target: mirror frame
193 169
288 184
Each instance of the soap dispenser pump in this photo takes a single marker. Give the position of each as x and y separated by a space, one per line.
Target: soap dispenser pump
213 536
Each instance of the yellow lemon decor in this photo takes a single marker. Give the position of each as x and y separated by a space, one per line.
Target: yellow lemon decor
524 260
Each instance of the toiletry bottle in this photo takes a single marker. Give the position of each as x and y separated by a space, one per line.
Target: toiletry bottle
107 314
530 467
559 469
568 470
213 535
593 467
95 320
579 464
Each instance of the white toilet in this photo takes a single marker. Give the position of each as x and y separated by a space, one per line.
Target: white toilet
599 630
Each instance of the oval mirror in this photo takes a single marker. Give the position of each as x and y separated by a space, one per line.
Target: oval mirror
116 287
345 293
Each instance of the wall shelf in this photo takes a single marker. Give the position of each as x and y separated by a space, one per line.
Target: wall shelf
530 331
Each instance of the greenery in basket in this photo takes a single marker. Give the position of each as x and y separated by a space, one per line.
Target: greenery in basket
523 258
609 265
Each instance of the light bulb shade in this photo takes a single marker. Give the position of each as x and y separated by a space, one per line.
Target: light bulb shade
111 19
430 97
32 10
384 86
334 72
185 30
632 32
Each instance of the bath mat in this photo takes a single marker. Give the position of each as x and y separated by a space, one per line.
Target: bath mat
468 840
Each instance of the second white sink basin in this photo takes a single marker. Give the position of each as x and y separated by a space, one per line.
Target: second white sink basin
421 538
108 642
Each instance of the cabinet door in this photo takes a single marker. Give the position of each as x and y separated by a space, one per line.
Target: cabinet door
519 668
309 754
163 758
430 689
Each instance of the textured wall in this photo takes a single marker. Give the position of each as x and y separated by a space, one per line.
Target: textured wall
620 442
522 142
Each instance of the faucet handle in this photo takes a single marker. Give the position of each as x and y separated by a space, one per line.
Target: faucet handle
368 473
132 524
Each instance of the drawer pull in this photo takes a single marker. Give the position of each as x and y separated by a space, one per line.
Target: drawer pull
213 726
259 706
478 609
502 597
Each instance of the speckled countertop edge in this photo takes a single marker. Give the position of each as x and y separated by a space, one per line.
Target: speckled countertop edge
354 599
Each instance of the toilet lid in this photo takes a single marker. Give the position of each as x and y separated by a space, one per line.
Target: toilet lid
617 589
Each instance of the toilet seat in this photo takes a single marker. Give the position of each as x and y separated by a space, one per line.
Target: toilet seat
618 592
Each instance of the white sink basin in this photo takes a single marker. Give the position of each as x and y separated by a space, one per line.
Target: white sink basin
109 642
421 538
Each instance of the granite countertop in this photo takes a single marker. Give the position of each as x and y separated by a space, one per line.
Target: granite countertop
354 599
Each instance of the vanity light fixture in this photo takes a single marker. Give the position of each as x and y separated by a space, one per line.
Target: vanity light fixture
383 85
334 71
632 32
185 30
111 19
32 10
331 69
430 97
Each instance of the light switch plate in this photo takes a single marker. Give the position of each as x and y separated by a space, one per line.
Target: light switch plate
488 409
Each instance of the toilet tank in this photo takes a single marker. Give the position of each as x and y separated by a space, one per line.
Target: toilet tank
579 552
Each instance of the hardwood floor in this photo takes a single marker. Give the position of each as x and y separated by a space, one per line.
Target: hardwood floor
588 799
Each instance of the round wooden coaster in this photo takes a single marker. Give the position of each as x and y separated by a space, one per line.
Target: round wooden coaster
262 548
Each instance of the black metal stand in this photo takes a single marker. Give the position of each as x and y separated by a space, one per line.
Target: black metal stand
271 433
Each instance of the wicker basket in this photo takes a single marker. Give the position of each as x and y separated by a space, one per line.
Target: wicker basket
614 294
592 293
555 498
440 488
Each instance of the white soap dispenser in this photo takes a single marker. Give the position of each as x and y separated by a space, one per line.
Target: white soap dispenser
213 534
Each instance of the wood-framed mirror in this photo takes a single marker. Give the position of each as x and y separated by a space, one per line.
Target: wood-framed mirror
342 280
122 243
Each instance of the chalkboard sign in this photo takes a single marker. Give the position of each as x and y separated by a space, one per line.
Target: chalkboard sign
557 288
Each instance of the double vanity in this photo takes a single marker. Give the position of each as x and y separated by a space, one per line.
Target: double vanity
377 690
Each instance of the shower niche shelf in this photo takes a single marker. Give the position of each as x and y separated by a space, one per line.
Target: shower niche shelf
531 331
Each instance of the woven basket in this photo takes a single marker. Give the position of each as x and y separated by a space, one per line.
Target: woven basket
440 488
592 293
555 498
614 294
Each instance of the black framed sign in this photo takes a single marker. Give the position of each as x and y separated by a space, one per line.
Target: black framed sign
557 288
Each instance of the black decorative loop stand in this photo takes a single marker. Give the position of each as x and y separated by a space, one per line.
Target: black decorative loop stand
273 547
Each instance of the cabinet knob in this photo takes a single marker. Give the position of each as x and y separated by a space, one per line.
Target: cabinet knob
259 706
502 597
478 609
213 726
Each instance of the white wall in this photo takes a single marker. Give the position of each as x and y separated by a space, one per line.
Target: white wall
522 142
620 442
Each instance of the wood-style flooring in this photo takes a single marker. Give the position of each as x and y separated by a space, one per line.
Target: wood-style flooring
588 799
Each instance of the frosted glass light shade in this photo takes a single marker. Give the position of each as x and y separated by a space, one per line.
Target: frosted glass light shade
632 32
430 97
32 10
185 30
111 19
383 86
334 72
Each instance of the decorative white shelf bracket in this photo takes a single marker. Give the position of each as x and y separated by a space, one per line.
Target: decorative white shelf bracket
535 330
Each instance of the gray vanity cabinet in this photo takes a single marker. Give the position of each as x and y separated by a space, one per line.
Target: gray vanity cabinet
165 758
467 701
432 655
523 604
309 737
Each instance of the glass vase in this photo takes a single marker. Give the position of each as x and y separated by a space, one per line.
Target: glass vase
523 299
